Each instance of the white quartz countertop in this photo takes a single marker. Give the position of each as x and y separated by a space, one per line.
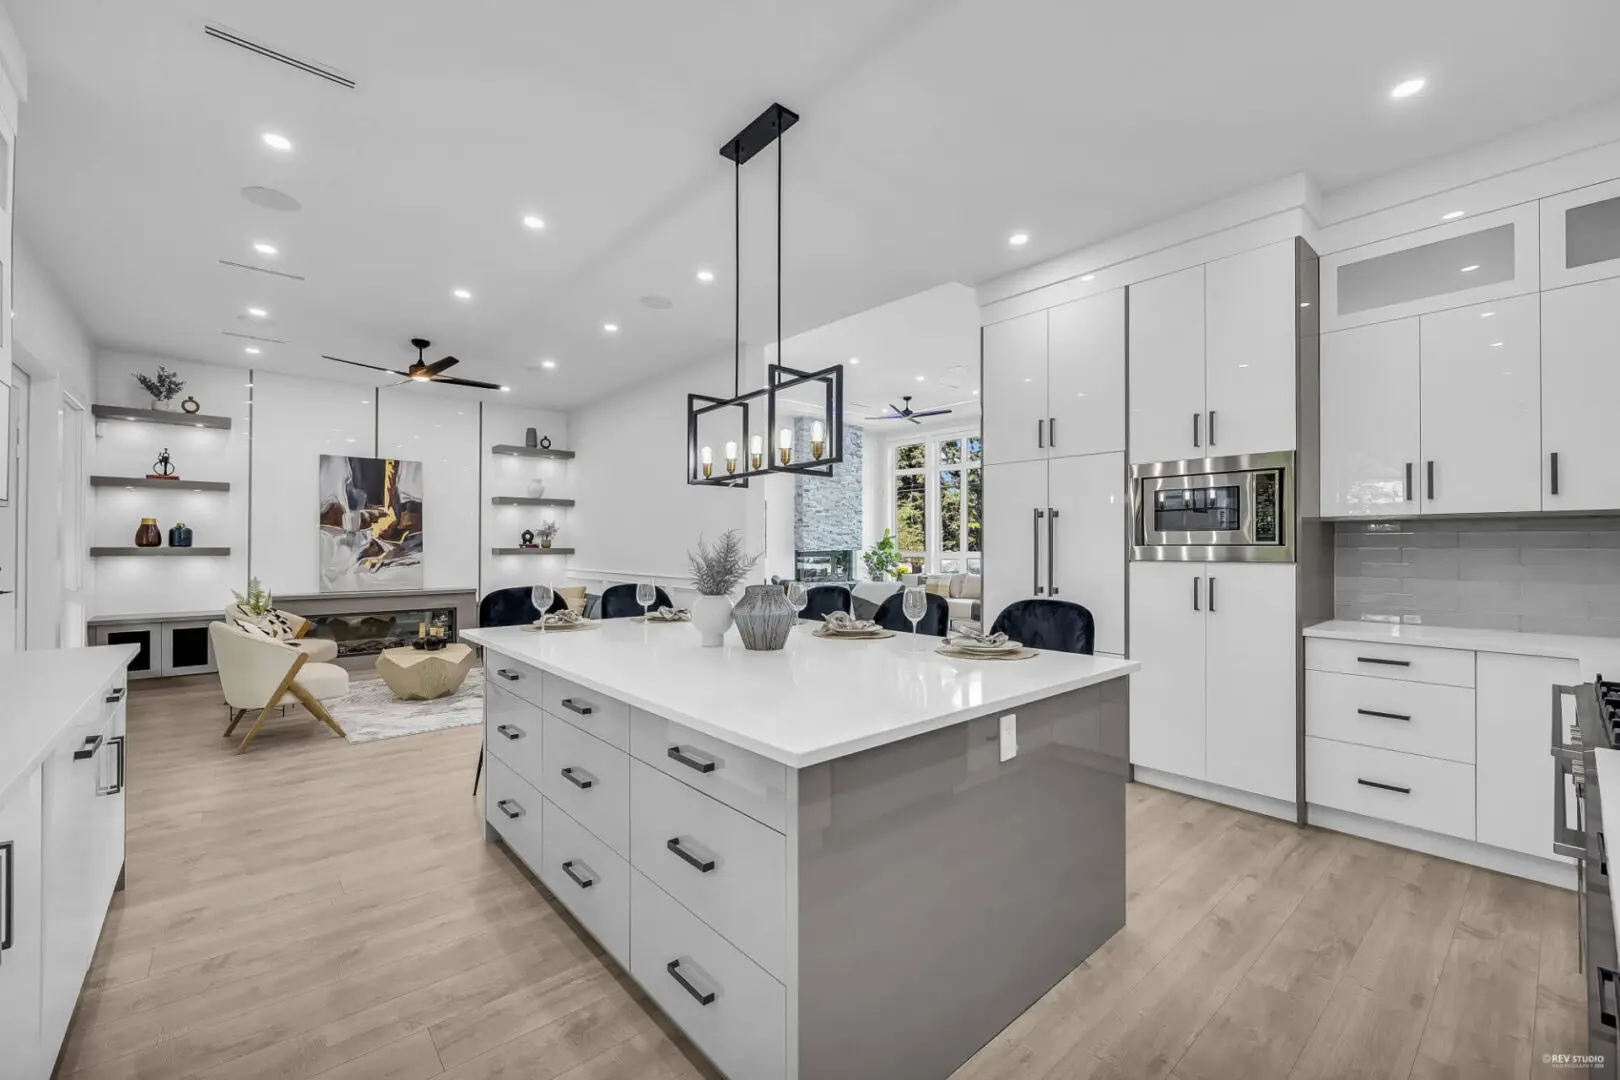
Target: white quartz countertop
1595 654
41 691
811 702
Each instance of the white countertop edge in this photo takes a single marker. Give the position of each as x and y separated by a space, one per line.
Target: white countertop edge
1593 653
25 745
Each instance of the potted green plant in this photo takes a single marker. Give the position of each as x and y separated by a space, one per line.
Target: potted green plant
163 387
547 532
256 601
882 559
717 569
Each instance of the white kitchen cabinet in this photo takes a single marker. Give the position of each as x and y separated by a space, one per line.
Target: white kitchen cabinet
1514 770
1251 341
1014 528
21 927
1580 379
1369 388
1167 367
1014 390
1480 408
1168 697
1086 376
1250 706
1580 235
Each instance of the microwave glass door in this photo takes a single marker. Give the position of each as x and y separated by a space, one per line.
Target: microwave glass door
1217 508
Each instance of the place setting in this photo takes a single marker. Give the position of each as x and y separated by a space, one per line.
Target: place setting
844 626
968 643
553 622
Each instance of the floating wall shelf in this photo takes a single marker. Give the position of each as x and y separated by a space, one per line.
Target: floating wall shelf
532 451
524 500
158 416
167 552
531 551
169 485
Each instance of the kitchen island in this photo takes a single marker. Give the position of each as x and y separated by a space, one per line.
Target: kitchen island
845 859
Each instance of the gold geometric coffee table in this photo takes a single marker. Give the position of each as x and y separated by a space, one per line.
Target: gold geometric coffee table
419 675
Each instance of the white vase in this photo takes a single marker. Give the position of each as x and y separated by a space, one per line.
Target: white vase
711 615
163 405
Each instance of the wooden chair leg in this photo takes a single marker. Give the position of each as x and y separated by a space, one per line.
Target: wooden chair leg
236 718
254 730
275 699
316 708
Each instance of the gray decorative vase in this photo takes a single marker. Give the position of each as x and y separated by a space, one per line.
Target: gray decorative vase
764 617
531 438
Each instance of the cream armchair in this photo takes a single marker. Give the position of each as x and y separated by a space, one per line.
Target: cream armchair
287 627
256 671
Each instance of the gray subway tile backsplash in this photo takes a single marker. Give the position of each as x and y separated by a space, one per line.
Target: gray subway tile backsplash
1545 575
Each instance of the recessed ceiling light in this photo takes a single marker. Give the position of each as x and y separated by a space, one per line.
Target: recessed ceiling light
975 393
611 328
1453 216
258 312
461 294
264 248
1470 268
252 350
705 276
1018 239
548 363
1088 277
1486 314
1496 344
1407 88
533 221
919 378
276 141
854 359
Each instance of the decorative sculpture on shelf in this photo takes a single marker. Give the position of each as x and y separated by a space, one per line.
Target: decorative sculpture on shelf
545 442
180 535
147 535
527 538
163 468
190 406
531 438
162 387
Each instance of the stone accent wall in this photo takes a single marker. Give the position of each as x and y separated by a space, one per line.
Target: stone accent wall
827 510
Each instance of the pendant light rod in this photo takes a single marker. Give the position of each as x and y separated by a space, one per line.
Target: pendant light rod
736 274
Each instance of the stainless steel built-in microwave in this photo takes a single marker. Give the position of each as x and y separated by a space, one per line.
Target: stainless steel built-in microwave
1230 509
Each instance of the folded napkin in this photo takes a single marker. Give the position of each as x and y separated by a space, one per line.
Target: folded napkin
842 622
562 618
975 636
671 614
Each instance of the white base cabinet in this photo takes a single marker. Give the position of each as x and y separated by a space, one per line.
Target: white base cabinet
1515 802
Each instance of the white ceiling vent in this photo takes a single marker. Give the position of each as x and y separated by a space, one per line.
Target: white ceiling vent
219 33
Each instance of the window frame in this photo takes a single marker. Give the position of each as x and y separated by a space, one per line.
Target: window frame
933 555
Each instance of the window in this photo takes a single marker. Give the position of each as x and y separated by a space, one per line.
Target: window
911 503
938 501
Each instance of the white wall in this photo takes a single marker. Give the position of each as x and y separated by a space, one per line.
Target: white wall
505 474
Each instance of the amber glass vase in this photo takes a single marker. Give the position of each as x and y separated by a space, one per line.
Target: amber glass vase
148 535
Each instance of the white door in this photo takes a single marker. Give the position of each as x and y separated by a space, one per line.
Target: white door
1088 541
1580 379
1514 772
1251 711
1250 348
1014 536
1086 375
13 517
20 866
1480 408
1014 389
1167 695
1167 368
1370 420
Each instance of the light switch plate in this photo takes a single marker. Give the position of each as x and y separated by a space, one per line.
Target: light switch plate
1009 736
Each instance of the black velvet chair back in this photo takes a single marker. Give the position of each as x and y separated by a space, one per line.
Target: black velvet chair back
891 615
1048 624
823 600
619 602
512 607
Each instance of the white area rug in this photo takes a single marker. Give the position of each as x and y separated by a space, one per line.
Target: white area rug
370 711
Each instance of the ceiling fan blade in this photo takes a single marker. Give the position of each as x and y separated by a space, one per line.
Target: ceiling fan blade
442 365
913 417
887 416
451 379
371 367
929 412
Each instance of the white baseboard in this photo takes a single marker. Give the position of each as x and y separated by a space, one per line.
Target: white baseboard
1547 871
1203 789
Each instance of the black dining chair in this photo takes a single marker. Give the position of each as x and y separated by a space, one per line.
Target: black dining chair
1058 625
891 615
822 600
619 602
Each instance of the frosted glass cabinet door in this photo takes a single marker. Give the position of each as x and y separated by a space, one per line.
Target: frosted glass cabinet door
1085 375
1480 416
1167 368
1370 420
1014 390
1250 347
1580 381
1580 235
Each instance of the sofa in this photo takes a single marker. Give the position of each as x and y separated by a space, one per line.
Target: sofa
963 593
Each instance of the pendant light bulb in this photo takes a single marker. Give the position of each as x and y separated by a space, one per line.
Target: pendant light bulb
818 439
707 457
756 451
731 457
784 444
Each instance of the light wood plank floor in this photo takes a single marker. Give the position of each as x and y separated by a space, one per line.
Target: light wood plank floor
317 909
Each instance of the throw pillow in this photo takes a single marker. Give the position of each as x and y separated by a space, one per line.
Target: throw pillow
252 629
574 597
939 588
277 624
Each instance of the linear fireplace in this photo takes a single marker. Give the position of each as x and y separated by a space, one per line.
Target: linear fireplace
833 567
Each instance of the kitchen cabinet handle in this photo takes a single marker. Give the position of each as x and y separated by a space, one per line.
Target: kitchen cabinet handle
1051 432
702 997
1195 430
510 809
1195 595
1553 469
92 743
1051 551
1212 594
1035 550
568 868
118 692
118 784
1040 434
510 732
1408 481
575 707
1605 980
685 758
1430 468
1381 660
1383 715
1212 427
582 780
702 865
1396 788
509 676
8 856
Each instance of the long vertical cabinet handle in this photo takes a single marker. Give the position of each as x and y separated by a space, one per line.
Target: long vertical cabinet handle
8 870
1196 607
1040 434
1051 551
1212 594
1195 429
1035 550
1430 467
1212 427
1553 471
1408 481
1051 432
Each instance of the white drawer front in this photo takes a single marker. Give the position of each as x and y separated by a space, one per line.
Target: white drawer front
1409 663
589 878
512 731
755 785
524 680
1414 718
732 1009
602 716
589 779
1438 795
725 866
513 807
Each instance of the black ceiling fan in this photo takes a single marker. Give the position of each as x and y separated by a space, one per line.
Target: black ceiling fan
422 371
908 413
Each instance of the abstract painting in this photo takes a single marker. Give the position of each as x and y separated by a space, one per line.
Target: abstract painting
370 524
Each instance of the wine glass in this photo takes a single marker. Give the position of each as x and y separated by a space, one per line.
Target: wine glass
797 598
914 604
646 593
541 596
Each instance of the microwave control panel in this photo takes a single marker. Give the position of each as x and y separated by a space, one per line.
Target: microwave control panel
1267 508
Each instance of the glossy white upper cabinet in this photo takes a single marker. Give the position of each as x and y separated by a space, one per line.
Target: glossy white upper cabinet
1168 694
1086 556
1085 376
1251 314
1369 388
1580 381
1250 710
1580 235
1480 408
1014 537
1467 261
1167 367
1014 390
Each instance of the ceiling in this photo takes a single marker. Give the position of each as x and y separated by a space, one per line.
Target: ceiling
931 131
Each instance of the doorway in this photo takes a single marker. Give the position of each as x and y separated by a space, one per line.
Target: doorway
13 522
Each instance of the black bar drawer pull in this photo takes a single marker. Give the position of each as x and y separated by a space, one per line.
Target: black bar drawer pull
509 676
1212 427
703 865
685 758
118 692
1381 660
575 707
92 743
1606 980
1397 789
1430 466
1040 434
703 997
578 778
8 870
1195 430
584 883
1384 715
1051 431
510 732
510 809
1408 481
1553 469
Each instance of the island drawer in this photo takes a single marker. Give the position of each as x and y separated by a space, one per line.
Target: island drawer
1409 663
589 779
1414 718
1422 792
524 680
512 731
606 718
514 808
740 778
588 878
725 866
732 1009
